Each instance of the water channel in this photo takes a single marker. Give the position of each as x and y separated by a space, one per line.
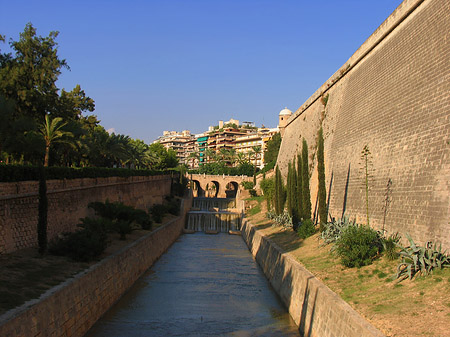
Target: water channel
204 285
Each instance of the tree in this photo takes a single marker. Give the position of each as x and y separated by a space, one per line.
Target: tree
51 131
279 192
300 187
29 78
305 182
272 149
321 180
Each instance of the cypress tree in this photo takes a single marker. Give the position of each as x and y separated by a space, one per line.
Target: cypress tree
42 213
279 192
295 213
290 191
300 186
305 182
321 179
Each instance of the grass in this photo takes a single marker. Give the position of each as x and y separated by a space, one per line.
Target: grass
388 304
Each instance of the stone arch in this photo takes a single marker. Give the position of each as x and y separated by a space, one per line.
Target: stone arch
231 189
212 189
197 190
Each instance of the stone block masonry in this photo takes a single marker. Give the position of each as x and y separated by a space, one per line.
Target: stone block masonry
314 307
67 203
71 308
392 95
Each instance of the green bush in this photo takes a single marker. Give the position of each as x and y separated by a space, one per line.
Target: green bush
173 206
390 246
158 211
306 228
358 245
85 244
12 173
253 192
248 185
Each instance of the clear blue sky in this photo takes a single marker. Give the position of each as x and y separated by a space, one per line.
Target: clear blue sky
162 65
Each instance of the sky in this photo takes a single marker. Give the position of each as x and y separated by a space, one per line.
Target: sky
178 65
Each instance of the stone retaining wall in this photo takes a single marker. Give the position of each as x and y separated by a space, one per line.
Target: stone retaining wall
67 203
71 308
316 309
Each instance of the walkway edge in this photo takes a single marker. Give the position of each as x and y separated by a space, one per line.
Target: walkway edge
316 309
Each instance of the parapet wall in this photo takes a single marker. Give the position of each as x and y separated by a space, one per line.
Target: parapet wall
67 203
71 308
392 95
314 307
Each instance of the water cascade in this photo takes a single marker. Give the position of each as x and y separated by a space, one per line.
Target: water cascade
214 215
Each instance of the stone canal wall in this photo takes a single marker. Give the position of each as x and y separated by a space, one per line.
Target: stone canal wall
316 309
392 95
67 203
71 308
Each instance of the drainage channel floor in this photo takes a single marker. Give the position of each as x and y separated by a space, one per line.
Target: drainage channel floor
204 285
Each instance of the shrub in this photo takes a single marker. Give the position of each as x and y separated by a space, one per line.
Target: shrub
268 188
306 228
173 206
390 245
334 228
248 185
158 211
284 220
417 259
85 244
358 245
253 193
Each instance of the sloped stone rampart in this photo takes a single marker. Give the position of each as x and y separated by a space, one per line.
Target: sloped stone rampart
392 95
316 309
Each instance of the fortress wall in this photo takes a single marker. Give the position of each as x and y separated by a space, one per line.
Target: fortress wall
68 202
392 95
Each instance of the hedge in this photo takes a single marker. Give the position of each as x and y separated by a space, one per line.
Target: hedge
13 173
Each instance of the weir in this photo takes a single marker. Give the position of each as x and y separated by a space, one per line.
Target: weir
214 215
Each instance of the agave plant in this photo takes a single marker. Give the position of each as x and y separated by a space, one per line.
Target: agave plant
334 228
417 259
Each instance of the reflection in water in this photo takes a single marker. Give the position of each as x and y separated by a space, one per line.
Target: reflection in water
203 286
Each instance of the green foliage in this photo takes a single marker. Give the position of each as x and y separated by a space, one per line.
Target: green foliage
158 211
253 192
42 211
306 228
122 217
267 186
173 205
284 219
218 168
323 214
268 167
280 196
417 259
82 245
334 228
272 148
300 187
248 185
358 245
291 191
179 185
306 194
12 173
390 245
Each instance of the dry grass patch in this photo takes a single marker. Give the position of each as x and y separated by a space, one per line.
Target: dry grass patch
420 307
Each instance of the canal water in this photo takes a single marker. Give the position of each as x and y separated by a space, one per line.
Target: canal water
204 285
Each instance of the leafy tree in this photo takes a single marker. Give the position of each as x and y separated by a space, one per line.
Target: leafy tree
29 78
165 158
305 182
272 149
321 180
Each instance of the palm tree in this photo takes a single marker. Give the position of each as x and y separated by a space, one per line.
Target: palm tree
256 150
51 131
194 156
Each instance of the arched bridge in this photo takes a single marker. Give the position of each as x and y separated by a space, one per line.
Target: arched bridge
217 186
